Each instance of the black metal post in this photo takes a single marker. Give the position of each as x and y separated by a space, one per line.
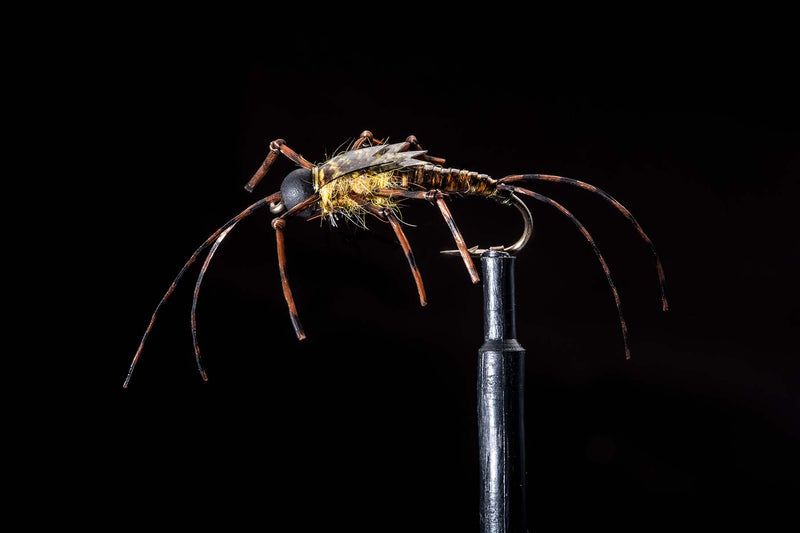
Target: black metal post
501 388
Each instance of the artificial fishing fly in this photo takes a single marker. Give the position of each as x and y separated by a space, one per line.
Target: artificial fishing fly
373 178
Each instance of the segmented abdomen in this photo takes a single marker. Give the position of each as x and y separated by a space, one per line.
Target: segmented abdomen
449 180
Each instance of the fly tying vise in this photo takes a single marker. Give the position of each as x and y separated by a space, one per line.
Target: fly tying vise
372 177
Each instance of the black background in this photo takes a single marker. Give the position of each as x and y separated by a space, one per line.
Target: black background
370 423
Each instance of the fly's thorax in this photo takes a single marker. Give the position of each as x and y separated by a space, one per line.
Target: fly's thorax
348 194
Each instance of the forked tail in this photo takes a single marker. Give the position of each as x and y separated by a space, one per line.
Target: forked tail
607 197
505 184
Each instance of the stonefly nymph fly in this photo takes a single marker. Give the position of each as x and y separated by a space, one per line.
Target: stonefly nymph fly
374 178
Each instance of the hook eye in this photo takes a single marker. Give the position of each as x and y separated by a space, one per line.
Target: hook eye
276 207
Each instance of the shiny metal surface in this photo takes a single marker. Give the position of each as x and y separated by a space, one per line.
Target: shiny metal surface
501 395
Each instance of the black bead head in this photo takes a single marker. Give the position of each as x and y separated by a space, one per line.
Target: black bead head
296 187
